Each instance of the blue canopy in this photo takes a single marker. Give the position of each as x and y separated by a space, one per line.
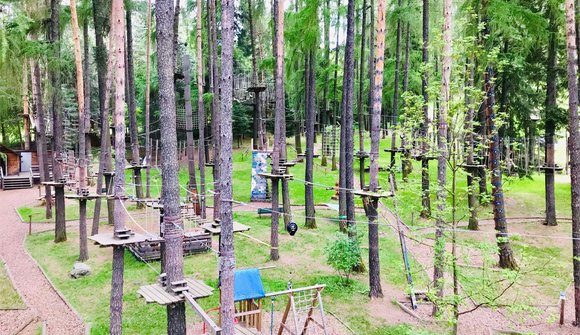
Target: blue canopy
248 285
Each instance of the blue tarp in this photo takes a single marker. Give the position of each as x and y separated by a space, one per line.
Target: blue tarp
248 285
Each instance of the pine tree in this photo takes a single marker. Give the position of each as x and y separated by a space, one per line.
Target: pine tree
443 154
371 205
227 257
574 147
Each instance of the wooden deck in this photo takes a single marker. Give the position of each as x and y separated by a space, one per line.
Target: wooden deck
156 293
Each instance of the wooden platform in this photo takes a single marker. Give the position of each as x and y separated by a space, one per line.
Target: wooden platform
84 197
257 88
270 175
395 150
135 167
58 184
216 229
551 168
362 154
193 243
240 330
108 239
156 293
370 194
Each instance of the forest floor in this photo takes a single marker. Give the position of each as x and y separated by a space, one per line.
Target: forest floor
529 304
43 304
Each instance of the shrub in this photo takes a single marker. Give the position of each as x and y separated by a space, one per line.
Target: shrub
343 254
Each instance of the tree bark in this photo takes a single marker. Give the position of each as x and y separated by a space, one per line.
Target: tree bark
279 133
192 183
57 123
395 114
25 106
173 232
324 113
470 146
550 124
215 110
82 157
133 128
439 262
425 199
371 61
361 88
574 147
258 132
147 106
200 110
335 104
371 204
406 164
347 121
310 65
118 30
103 75
227 257
506 257
41 146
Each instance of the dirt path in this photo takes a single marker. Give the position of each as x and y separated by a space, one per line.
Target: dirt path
43 302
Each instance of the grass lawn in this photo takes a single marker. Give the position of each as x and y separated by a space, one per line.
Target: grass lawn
302 261
9 298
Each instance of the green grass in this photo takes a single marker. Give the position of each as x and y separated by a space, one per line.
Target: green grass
302 261
9 298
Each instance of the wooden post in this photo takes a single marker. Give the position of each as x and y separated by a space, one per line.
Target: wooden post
29 225
562 304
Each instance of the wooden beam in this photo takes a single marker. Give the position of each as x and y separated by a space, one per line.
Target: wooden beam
213 327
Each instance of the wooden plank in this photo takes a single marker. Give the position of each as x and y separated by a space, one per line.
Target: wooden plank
213 327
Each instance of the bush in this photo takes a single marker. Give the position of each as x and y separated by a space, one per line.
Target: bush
343 254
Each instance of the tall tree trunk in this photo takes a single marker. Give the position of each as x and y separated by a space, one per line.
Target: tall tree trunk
227 257
57 123
173 225
425 199
200 109
470 144
41 147
325 105
347 122
551 97
506 256
371 204
574 147
439 262
87 87
147 106
215 111
100 22
82 154
310 96
335 104
118 30
279 133
371 71
133 128
406 164
192 183
361 88
395 114
25 106
258 132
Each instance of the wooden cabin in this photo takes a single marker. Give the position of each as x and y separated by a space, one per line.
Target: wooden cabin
9 162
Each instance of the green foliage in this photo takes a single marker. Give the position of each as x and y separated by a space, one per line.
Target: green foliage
343 254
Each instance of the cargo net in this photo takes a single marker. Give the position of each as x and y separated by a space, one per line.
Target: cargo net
304 315
331 141
180 118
